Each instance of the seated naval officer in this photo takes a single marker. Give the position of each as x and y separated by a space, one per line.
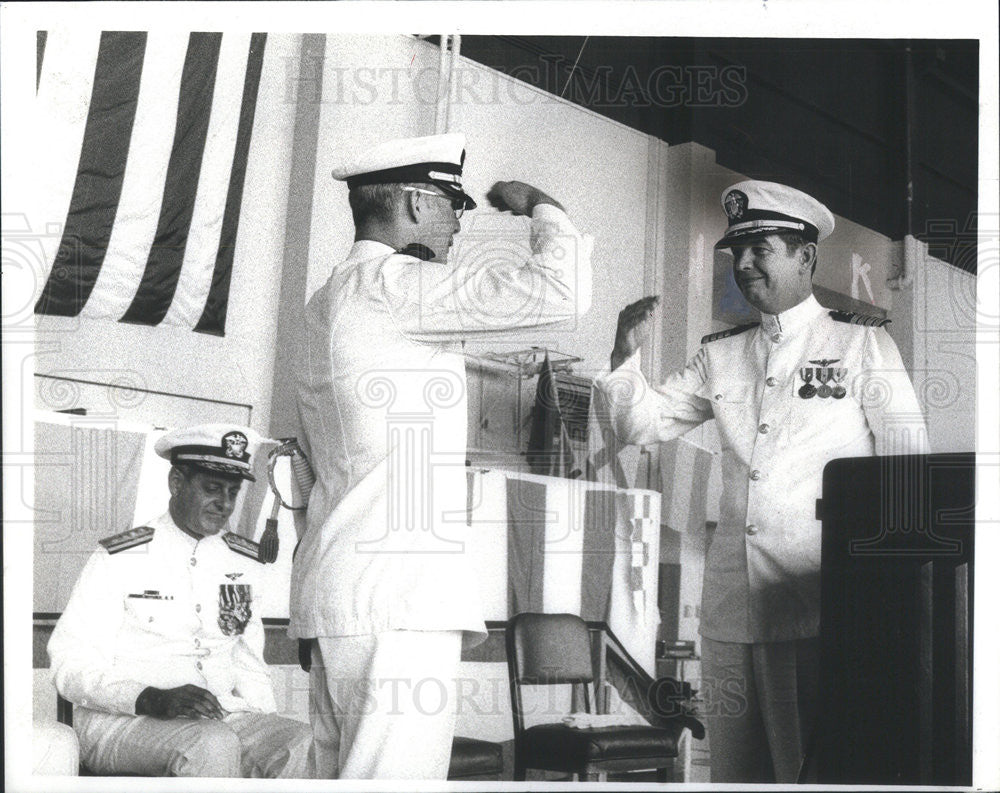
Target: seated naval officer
160 647
788 394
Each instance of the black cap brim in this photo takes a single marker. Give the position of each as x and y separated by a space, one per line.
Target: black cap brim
454 191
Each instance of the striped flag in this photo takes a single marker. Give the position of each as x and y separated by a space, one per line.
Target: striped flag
146 136
604 450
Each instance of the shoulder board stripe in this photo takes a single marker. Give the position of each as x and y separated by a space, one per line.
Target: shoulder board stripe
128 539
722 334
860 319
242 545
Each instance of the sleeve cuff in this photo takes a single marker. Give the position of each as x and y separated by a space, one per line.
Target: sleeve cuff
549 213
124 695
631 365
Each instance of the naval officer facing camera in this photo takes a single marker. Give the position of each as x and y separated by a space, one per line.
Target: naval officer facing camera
160 647
789 393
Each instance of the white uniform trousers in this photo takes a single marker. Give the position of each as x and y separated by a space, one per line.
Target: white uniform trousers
383 706
253 745
760 702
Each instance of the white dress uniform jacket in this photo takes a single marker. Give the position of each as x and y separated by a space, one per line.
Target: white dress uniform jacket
172 611
382 398
761 580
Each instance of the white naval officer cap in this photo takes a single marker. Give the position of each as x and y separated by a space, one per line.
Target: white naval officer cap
434 159
219 448
756 209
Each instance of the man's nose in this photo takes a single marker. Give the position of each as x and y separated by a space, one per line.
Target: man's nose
226 502
742 260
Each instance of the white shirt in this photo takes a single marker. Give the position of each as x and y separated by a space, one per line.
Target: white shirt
150 616
382 398
762 569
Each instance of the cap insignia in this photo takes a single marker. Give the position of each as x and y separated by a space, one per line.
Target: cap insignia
234 444
735 204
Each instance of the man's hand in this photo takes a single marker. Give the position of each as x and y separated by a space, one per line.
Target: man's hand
633 329
183 702
518 197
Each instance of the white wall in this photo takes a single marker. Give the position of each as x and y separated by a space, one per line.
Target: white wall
943 331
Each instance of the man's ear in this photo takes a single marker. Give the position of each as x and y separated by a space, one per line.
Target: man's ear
175 480
414 205
807 256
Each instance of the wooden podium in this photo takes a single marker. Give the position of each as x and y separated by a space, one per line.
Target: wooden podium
896 671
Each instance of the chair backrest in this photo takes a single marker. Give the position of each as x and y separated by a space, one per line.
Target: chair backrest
549 649
546 649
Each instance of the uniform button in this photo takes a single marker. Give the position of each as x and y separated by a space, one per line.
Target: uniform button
193 561
197 607
764 429
718 397
777 337
751 529
198 664
755 475
772 381
197 642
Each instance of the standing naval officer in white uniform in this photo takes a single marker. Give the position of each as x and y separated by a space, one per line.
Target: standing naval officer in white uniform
381 575
161 645
788 394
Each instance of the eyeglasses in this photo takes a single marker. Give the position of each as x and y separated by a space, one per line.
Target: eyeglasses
457 204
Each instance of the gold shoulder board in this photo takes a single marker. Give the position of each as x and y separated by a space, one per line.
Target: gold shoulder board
860 319
723 334
242 545
130 538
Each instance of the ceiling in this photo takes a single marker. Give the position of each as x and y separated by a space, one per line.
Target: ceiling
851 121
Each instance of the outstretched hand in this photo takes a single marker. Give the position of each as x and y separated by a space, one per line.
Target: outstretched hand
633 329
519 198
184 702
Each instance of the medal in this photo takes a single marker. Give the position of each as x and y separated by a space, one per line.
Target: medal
808 391
824 391
839 392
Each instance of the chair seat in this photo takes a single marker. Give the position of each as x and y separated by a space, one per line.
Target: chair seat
472 757
561 748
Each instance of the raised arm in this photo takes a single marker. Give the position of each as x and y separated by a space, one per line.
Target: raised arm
640 413
497 288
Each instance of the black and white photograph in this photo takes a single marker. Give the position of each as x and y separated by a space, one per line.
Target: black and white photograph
500 395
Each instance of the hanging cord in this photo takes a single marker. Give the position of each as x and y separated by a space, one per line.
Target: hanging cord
575 64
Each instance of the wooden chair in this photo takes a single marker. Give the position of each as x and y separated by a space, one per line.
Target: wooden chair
552 649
